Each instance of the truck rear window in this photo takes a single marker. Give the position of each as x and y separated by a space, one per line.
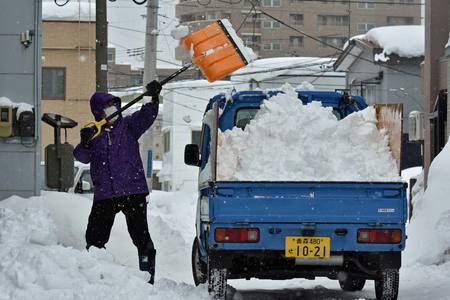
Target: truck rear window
244 116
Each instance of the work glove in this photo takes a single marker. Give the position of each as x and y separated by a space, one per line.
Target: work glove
86 135
153 88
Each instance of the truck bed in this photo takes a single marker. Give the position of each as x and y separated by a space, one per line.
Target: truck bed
281 209
319 202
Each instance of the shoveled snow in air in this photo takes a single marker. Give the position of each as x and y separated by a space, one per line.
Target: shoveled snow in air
405 41
43 256
179 32
295 142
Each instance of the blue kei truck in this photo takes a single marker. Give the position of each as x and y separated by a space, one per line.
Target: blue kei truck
348 231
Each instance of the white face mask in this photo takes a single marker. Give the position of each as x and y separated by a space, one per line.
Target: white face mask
109 111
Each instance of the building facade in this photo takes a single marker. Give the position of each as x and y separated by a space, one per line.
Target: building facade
397 80
332 22
20 82
68 74
184 105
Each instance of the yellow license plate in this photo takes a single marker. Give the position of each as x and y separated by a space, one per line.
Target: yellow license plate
307 247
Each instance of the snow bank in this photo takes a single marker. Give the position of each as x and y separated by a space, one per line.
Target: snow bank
305 143
405 41
428 232
43 255
72 11
21 106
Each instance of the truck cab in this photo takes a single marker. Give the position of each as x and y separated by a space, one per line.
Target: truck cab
348 231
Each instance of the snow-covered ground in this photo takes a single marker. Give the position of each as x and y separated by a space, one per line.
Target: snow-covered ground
43 257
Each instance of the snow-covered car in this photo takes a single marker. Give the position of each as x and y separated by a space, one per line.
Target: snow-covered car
82 182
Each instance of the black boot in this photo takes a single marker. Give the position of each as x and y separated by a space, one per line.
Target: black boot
147 263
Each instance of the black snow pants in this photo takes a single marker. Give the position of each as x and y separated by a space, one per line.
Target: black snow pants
101 220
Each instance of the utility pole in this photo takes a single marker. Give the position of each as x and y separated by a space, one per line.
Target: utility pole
101 46
349 24
151 35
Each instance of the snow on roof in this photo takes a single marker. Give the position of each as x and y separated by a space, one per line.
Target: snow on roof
405 41
267 68
197 84
72 11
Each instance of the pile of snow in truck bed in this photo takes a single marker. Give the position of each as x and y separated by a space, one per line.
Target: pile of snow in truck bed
288 141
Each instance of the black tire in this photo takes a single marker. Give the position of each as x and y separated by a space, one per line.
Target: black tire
199 268
217 283
386 286
351 284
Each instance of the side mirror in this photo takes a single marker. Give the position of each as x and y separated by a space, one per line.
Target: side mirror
192 155
86 186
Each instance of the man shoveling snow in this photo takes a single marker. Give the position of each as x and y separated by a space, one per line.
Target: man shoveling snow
118 174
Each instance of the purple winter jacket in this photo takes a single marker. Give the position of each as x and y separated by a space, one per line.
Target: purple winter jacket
116 165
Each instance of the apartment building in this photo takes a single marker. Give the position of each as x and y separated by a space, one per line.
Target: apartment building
330 21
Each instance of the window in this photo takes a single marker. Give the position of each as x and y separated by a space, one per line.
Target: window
296 41
402 2
244 116
296 19
333 2
211 15
53 83
296 1
271 24
335 41
271 3
400 20
187 18
166 138
252 41
196 137
272 46
110 57
364 27
366 4
332 20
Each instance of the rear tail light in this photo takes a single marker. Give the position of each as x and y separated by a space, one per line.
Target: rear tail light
236 235
379 236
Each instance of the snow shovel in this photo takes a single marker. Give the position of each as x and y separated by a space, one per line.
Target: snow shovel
215 49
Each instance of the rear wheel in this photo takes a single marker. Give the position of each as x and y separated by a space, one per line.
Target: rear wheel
199 268
351 284
386 286
217 283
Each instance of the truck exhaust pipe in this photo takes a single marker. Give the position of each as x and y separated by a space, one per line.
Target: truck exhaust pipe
333 260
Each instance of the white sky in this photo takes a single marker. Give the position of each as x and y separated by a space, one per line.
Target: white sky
127 14
126 25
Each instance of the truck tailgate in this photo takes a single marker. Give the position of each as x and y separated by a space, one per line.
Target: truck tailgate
300 202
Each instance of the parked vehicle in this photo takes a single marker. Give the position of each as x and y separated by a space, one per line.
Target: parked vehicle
82 183
267 230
